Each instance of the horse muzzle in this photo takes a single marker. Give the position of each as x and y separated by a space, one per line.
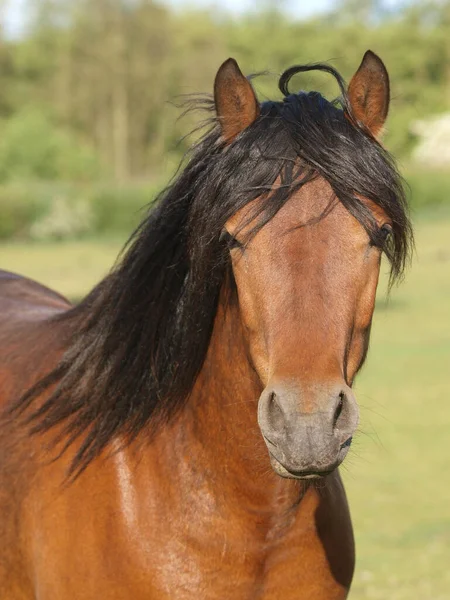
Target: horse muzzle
308 435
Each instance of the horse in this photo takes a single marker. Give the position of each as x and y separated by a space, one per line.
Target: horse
178 433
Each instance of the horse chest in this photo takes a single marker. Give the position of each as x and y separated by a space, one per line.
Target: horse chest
161 547
231 557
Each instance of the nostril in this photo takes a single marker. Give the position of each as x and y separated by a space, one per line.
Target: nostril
345 418
347 443
339 408
275 412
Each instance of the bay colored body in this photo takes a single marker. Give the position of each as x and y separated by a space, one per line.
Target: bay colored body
182 518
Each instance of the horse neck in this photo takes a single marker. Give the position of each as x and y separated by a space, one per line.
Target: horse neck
219 423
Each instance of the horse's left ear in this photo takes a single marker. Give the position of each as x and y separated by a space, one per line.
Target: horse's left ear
369 94
236 103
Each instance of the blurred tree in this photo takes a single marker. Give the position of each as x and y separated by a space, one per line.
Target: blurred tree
362 11
104 72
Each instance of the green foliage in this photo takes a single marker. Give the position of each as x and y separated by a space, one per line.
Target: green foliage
64 219
85 95
31 148
428 189
69 211
90 83
19 209
120 209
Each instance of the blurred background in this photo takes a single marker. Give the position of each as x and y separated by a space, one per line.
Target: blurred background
89 132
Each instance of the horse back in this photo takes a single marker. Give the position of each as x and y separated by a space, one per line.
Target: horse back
21 298
30 344
29 336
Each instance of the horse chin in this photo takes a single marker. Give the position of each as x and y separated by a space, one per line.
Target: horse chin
282 471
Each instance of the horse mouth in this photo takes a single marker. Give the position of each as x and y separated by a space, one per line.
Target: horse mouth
286 473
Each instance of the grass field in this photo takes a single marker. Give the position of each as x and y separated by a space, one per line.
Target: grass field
398 474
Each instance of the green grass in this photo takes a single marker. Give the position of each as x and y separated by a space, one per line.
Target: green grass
71 268
398 474
398 477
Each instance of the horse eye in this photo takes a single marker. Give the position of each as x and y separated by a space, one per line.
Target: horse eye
385 231
229 240
381 236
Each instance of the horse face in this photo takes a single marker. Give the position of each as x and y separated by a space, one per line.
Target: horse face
306 285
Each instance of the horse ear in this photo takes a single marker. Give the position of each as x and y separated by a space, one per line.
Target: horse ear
236 103
369 93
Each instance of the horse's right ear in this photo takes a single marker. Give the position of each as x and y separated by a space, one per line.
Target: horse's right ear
236 103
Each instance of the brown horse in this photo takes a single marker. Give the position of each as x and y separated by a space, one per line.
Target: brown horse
140 427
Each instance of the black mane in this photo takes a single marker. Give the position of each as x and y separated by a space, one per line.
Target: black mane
145 330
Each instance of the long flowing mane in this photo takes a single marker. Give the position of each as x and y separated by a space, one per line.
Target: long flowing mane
143 333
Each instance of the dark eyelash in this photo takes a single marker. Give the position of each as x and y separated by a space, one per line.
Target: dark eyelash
229 240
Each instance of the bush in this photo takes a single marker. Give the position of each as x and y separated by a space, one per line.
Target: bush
120 209
61 211
19 209
34 148
64 219
64 211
